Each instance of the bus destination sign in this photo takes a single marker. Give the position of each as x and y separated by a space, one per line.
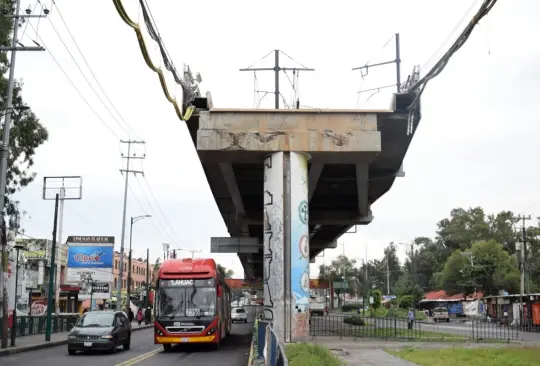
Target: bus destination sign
187 283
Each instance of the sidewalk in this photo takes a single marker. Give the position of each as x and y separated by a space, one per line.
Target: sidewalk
37 341
372 352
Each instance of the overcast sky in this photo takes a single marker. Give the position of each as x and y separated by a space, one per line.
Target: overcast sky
477 143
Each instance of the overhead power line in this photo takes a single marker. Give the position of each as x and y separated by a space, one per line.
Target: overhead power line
420 86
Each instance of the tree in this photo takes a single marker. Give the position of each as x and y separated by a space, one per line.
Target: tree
27 133
492 269
377 298
341 269
227 273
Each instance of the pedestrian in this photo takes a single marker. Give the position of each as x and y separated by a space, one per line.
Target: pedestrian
148 315
140 316
410 316
130 315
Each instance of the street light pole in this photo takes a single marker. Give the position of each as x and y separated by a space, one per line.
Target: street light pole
133 220
14 327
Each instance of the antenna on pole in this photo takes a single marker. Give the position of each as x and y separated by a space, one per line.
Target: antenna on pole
277 68
397 61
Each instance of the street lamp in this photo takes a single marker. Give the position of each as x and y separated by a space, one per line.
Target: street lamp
133 220
14 326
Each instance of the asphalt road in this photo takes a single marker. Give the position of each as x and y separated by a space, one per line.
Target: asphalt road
234 351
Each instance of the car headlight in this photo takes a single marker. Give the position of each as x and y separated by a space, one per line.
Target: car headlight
107 337
72 336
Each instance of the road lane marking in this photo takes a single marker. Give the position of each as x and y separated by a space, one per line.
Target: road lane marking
140 358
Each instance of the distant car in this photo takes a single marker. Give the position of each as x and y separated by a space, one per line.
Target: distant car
239 315
101 330
441 314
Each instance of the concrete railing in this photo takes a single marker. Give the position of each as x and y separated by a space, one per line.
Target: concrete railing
267 349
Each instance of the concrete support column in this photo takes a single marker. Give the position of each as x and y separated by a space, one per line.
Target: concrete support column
286 245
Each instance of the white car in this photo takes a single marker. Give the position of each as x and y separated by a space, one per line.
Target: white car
239 315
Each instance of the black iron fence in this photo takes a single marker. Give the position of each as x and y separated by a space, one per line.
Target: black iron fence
267 348
31 325
355 326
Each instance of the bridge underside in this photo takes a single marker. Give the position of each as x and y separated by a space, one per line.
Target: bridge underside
355 156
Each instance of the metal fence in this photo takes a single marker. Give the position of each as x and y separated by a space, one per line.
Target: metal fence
31 325
393 328
268 349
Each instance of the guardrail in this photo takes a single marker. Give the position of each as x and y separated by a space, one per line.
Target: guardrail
267 349
31 325
358 327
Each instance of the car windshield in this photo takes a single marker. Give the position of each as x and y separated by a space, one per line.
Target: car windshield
187 301
96 319
240 311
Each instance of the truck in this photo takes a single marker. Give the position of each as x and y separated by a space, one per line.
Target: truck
317 306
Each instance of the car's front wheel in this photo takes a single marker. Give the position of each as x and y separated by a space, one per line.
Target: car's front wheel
167 347
72 352
113 347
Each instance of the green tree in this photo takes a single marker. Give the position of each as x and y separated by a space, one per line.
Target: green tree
492 269
341 269
377 298
27 133
227 273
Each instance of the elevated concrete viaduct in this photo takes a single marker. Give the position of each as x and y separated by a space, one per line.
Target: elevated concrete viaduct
289 183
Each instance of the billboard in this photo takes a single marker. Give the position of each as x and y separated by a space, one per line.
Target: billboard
90 262
90 256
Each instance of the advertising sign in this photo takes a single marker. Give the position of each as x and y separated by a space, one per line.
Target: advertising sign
90 256
90 265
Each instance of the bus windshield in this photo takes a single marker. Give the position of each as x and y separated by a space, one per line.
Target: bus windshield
186 298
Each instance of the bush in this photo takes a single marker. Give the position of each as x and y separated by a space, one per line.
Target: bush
405 301
354 320
307 354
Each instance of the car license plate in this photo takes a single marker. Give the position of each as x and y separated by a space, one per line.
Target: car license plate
88 344
184 340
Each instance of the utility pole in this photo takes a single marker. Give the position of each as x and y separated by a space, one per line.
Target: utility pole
396 61
522 218
133 220
387 276
4 149
276 70
147 278
413 273
128 170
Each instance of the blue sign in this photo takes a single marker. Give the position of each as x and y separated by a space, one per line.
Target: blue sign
90 257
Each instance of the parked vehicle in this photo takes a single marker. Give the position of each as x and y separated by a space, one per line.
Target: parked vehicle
239 315
441 314
317 306
100 330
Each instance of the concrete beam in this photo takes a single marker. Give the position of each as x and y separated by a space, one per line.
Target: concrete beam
338 218
232 186
362 186
314 174
235 245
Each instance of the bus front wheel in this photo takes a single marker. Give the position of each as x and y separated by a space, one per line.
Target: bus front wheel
167 347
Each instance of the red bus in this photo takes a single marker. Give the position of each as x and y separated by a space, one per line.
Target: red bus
192 303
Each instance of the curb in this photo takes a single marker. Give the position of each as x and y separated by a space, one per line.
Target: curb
250 359
12 351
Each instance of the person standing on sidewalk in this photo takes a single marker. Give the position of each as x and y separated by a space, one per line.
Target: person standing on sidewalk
410 315
140 316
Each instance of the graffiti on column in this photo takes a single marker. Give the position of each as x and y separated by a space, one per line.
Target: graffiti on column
299 247
273 240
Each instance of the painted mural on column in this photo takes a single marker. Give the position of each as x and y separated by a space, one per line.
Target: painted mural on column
299 247
273 241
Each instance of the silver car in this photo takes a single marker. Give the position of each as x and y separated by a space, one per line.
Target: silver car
239 315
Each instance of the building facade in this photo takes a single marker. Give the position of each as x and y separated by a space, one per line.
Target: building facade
138 273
